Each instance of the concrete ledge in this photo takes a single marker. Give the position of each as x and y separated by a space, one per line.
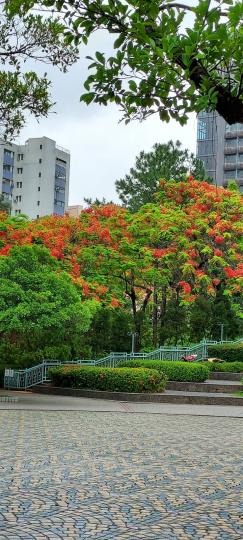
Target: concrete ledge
225 376
166 397
220 387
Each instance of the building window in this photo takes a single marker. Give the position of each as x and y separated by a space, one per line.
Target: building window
37 217
230 158
38 203
40 146
59 203
19 184
39 188
8 153
20 157
40 160
20 170
231 142
201 130
230 175
39 174
18 198
17 212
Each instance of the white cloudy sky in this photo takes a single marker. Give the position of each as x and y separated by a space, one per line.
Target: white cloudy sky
102 149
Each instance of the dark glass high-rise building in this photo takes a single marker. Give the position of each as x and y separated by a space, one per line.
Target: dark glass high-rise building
220 147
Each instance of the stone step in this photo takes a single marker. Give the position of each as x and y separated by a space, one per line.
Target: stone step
169 396
211 386
218 375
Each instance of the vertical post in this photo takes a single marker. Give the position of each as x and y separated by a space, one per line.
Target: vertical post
221 331
133 343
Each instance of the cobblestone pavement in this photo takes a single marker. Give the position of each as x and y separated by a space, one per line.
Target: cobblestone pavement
111 476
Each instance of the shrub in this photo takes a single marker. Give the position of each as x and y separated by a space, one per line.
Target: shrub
233 367
174 371
232 352
110 379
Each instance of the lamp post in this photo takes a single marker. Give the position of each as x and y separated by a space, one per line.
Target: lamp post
222 325
133 334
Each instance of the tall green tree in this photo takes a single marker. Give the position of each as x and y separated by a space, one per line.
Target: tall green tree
36 38
163 61
41 312
169 161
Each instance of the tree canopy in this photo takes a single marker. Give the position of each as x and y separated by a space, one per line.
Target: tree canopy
164 161
185 244
40 307
169 57
31 37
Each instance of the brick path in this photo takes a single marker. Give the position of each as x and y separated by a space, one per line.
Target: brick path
114 476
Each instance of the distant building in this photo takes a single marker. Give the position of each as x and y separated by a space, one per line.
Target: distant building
220 147
34 177
74 210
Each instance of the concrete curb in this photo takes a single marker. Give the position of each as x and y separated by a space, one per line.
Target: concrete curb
166 397
211 388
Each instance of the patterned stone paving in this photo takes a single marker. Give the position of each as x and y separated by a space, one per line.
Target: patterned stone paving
114 476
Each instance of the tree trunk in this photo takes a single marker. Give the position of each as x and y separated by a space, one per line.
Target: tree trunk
155 318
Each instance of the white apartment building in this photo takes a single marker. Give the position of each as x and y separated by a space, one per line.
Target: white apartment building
34 177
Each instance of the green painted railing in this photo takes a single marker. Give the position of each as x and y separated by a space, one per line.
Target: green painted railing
26 378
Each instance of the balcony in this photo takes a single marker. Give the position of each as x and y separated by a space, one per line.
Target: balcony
7 188
240 165
7 175
60 172
58 210
231 134
230 166
8 159
230 150
60 183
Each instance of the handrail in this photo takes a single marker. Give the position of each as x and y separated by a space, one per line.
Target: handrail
32 376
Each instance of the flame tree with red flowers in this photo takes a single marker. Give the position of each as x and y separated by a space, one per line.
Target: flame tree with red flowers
185 245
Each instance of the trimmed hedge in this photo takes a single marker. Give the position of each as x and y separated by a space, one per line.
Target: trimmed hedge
174 371
228 352
233 367
109 379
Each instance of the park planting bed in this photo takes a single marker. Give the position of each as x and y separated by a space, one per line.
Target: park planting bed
141 380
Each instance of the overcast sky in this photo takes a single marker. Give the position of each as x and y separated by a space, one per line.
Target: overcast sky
102 149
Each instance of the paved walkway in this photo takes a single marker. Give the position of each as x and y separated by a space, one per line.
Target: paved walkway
113 476
41 402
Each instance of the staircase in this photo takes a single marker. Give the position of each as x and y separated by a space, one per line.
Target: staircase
36 375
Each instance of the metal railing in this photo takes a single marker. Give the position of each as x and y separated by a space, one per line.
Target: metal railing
29 377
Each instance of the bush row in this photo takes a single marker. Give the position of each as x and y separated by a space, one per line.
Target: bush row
228 352
174 371
110 379
233 367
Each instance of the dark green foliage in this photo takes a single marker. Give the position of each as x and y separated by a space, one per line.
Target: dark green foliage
174 371
229 352
233 367
41 313
168 161
109 379
222 312
173 327
109 331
